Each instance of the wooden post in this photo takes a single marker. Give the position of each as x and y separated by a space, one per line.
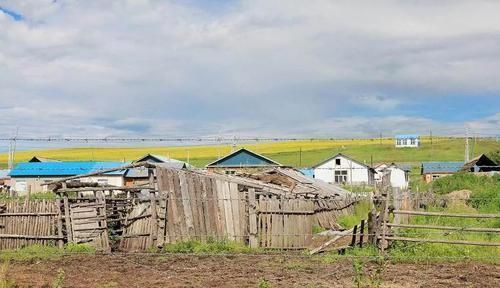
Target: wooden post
154 221
353 241
372 227
67 218
60 242
252 214
361 233
384 218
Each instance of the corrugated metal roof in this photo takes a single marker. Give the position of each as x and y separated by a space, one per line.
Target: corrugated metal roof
70 168
407 136
4 173
441 167
244 158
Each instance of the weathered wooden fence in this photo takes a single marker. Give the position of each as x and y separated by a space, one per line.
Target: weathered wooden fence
24 223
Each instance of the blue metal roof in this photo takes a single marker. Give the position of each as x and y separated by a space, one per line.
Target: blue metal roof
309 172
441 167
243 158
407 136
70 168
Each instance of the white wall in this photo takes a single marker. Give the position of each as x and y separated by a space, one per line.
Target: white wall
407 143
356 174
399 178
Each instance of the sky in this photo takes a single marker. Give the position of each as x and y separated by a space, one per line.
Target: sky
260 68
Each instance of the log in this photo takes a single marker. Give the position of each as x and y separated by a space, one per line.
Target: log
448 228
421 213
459 242
331 241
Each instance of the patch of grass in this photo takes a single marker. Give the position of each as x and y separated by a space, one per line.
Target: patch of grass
211 247
263 283
33 196
360 212
41 252
59 280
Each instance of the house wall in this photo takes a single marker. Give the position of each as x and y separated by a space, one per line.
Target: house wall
399 178
407 143
429 177
23 185
356 174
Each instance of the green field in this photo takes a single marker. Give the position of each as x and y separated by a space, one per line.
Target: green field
292 153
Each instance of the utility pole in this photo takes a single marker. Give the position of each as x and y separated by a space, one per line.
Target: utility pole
431 136
300 157
380 138
466 144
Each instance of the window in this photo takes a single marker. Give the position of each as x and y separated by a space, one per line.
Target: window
398 142
413 141
230 172
340 176
337 161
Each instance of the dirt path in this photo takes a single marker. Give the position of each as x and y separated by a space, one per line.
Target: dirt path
242 271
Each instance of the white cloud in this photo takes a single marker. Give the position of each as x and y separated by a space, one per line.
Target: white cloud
121 66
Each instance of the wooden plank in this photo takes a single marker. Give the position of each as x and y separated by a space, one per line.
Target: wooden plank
186 206
228 210
154 217
235 208
331 241
252 219
67 218
221 221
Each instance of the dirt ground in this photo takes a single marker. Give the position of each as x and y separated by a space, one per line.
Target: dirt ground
243 271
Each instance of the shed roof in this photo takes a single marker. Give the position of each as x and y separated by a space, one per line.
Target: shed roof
441 167
4 173
243 158
70 168
407 136
141 172
43 159
480 161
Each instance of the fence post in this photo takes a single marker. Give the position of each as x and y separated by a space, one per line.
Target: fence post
152 197
67 219
383 219
252 214
354 231
361 233
60 242
372 227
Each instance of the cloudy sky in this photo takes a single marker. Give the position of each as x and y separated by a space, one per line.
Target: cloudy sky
249 68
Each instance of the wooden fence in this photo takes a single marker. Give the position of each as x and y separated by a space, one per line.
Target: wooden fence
387 221
28 223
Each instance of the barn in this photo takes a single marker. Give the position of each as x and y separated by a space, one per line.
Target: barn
342 169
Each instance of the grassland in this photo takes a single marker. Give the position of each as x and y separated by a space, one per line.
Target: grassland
292 153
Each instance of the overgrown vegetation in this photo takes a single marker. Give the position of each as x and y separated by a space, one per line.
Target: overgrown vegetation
360 212
211 246
34 196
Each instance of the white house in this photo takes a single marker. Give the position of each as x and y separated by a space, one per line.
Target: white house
399 175
408 140
341 169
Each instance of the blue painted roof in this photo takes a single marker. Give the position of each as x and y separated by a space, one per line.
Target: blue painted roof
407 136
309 172
441 167
243 158
70 168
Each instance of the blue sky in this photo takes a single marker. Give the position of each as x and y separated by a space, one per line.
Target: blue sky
249 68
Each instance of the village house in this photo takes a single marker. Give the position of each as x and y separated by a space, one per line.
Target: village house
242 161
398 174
434 170
408 140
341 169
135 176
30 177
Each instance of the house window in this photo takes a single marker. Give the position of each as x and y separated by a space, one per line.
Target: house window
230 172
398 142
337 161
413 141
340 176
